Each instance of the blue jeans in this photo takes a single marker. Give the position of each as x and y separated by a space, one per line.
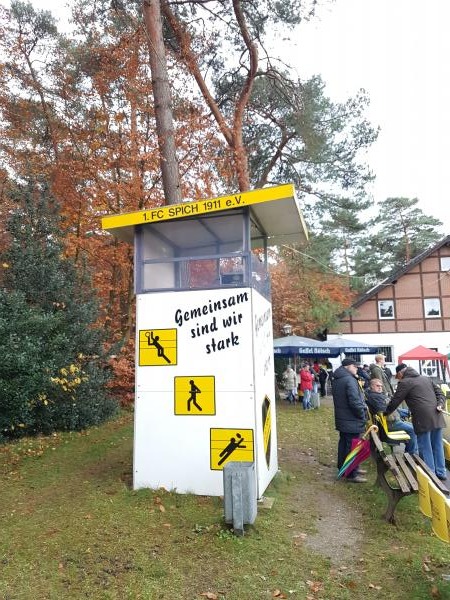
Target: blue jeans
290 396
306 399
411 446
431 451
404 412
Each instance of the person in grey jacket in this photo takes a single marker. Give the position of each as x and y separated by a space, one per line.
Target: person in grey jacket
425 400
350 412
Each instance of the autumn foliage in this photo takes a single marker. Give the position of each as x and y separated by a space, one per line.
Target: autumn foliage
309 300
79 113
77 110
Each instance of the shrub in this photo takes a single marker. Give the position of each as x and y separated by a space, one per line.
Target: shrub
53 373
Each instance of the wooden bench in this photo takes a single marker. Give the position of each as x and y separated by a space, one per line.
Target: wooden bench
400 470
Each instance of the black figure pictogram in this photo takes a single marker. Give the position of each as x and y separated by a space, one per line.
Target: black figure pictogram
231 447
155 342
193 397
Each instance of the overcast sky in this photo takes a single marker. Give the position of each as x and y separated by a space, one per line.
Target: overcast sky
399 51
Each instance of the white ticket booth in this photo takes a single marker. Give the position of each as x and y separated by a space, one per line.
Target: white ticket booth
204 351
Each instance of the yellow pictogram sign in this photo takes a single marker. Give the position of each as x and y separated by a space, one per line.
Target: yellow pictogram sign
195 395
230 445
157 347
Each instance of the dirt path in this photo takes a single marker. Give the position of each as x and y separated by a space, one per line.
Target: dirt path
338 535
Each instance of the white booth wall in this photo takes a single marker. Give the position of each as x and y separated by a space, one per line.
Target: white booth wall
219 341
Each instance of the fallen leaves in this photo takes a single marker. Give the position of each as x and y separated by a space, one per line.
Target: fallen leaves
374 587
299 538
315 586
435 593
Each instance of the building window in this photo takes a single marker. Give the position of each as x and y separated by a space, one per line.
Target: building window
387 351
445 263
432 308
386 309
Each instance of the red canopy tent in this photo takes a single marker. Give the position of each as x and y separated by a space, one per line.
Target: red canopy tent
422 353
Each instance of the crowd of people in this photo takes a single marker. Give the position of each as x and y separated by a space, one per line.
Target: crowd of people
354 397
308 385
359 390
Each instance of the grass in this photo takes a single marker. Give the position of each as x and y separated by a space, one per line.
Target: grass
72 527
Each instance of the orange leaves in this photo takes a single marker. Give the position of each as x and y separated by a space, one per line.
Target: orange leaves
306 299
122 366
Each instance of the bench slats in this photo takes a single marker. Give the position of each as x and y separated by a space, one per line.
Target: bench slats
437 482
403 483
399 470
407 472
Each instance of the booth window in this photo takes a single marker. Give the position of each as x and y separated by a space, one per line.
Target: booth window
204 252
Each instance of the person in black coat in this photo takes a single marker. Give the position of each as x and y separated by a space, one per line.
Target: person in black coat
426 401
364 377
350 412
323 376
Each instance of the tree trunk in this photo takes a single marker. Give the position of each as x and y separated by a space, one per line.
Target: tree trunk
163 111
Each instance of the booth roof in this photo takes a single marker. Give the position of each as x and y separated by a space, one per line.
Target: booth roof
275 210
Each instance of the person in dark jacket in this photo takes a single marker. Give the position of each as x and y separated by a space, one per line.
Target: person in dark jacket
425 400
377 402
350 412
364 377
323 376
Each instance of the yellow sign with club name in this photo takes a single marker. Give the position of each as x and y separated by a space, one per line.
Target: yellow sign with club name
189 209
157 347
195 395
230 445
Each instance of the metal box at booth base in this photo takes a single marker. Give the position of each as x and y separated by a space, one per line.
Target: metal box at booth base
239 494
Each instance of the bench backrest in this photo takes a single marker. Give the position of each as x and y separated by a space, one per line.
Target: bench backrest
390 437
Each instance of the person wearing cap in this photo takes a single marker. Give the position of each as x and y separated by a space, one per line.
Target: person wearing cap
377 371
425 401
350 412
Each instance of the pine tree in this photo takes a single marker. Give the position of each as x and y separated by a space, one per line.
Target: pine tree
400 232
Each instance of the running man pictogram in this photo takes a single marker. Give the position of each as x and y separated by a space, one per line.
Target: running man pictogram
187 401
155 342
231 447
193 397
